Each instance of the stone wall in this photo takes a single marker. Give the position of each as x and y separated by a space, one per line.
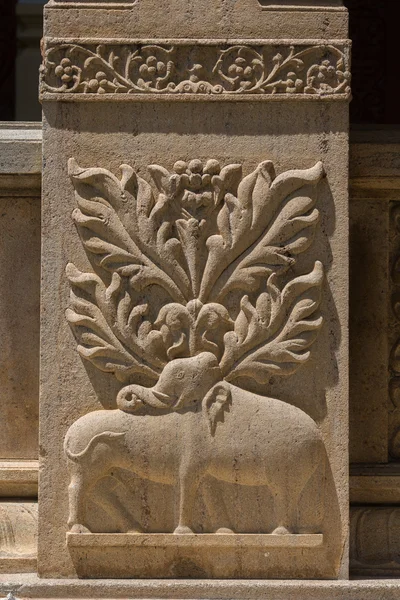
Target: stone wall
20 172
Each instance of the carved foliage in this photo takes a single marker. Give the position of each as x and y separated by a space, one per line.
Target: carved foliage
199 69
197 262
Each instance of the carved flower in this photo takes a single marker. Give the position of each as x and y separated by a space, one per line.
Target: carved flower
152 68
198 188
196 73
99 84
198 182
243 71
241 67
64 70
293 84
152 71
326 77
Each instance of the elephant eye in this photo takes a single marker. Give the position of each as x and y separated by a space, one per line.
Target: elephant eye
180 375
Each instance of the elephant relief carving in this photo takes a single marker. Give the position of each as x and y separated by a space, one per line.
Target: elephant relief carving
192 293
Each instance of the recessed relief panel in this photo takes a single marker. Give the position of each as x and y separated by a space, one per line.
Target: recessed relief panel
192 294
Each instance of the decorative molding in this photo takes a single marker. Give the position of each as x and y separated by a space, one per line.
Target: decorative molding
147 555
40 588
18 533
92 4
303 5
19 478
375 541
377 483
195 69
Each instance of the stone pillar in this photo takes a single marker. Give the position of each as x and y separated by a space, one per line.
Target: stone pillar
194 390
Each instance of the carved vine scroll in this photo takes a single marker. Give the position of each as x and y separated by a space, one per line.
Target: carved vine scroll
177 69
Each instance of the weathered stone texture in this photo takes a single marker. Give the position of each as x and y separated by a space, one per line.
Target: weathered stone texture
19 303
18 537
369 318
202 394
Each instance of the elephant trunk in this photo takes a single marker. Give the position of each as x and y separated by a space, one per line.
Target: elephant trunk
134 397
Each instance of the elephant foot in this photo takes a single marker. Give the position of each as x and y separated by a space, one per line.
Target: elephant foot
137 531
281 530
182 530
79 529
223 530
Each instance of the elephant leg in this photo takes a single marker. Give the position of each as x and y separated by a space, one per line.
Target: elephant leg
189 481
285 511
286 502
215 505
116 508
77 492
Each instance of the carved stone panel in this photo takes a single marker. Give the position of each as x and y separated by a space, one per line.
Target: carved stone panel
177 299
369 326
201 315
19 314
194 361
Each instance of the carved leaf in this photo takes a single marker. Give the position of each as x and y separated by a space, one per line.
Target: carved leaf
101 197
99 341
274 336
262 230
206 233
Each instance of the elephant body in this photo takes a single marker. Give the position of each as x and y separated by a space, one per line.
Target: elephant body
229 434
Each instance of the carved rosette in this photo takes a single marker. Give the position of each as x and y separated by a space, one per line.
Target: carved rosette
177 69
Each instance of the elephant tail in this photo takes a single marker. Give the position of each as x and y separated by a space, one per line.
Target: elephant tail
104 436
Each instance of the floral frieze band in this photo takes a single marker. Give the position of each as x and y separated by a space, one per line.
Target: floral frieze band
199 69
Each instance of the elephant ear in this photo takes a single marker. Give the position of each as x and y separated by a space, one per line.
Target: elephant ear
216 403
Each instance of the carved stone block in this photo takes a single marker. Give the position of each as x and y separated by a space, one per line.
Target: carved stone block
18 537
194 360
191 556
369 325
375 541
20 149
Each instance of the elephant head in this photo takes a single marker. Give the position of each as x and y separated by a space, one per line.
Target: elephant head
183 383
